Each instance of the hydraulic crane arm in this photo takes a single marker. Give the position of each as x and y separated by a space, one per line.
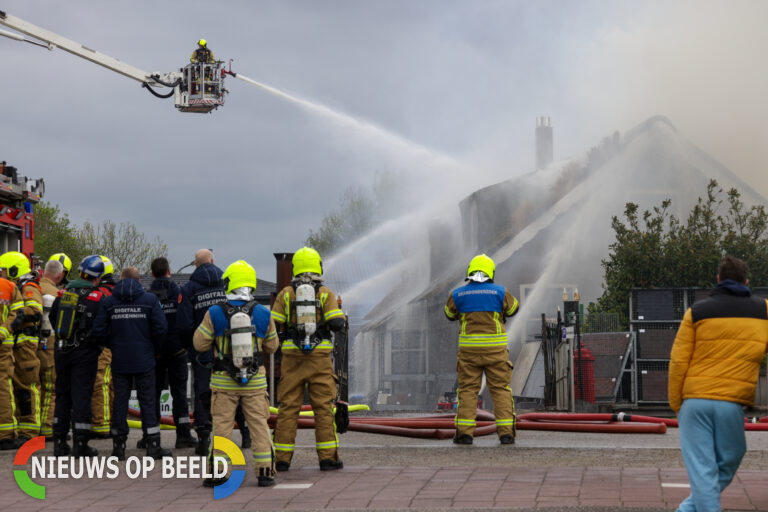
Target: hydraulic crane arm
56 41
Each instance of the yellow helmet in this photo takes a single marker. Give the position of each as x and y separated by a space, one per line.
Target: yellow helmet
109 268
16 263
64 260
202 42
239 275
307 259
482 263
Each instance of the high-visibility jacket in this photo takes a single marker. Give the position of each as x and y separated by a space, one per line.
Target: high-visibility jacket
210 334
328 318
481 309
11 302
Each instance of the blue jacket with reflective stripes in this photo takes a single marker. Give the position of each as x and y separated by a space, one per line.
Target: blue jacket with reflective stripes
479 297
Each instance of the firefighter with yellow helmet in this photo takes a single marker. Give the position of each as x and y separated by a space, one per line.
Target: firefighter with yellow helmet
54 278
25 330
202 53
481 306
11 302
306 312
240 331
103 387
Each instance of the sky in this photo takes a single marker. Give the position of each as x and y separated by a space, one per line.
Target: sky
443 93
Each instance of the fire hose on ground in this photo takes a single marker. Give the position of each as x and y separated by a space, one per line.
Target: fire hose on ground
441 426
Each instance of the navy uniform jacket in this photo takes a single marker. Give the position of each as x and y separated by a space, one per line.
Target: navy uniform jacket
132 323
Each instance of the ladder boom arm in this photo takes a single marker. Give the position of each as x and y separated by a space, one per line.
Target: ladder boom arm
57 41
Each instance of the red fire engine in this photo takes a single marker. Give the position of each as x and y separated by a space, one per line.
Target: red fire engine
18 195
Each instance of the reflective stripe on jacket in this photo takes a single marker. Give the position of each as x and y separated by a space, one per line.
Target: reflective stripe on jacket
481 309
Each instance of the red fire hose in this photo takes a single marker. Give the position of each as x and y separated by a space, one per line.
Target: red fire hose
441 426
616 417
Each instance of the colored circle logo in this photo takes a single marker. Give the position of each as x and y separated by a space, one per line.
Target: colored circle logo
22 477
236 458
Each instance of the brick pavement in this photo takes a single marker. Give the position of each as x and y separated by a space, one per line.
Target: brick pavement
397 487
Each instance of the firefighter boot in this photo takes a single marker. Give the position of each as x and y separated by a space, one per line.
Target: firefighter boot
282 465
215 482
266 477
141 444
154 449
184 437
185 442
118 447
7 444
80 447
203 440
507 439
60 446
330 464
21 440
463 439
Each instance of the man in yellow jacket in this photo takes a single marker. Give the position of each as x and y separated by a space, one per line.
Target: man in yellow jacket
713 372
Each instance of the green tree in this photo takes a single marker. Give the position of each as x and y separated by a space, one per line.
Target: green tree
54 232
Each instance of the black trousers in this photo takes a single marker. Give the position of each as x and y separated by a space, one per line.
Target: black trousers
201 390
75 375
172 372
145 391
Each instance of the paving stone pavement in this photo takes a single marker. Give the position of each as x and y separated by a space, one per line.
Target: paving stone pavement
543 471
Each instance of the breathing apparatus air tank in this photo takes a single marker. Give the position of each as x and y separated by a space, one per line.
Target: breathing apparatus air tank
306 311
45 326
241 339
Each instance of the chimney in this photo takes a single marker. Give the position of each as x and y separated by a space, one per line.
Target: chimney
544 142
284 269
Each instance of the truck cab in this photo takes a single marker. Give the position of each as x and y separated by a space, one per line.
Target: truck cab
18 195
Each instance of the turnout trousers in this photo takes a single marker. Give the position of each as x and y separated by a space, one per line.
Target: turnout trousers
713 443
255 405
145 392
103 395
75 373
47 387
316 374
7 400
471 364
26 387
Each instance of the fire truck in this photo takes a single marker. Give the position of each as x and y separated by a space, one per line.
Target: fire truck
18 195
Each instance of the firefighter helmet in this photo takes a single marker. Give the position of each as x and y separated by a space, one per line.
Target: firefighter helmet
239 275
202 43
92 266
64 260
307 259
481 263
15 263
109 268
